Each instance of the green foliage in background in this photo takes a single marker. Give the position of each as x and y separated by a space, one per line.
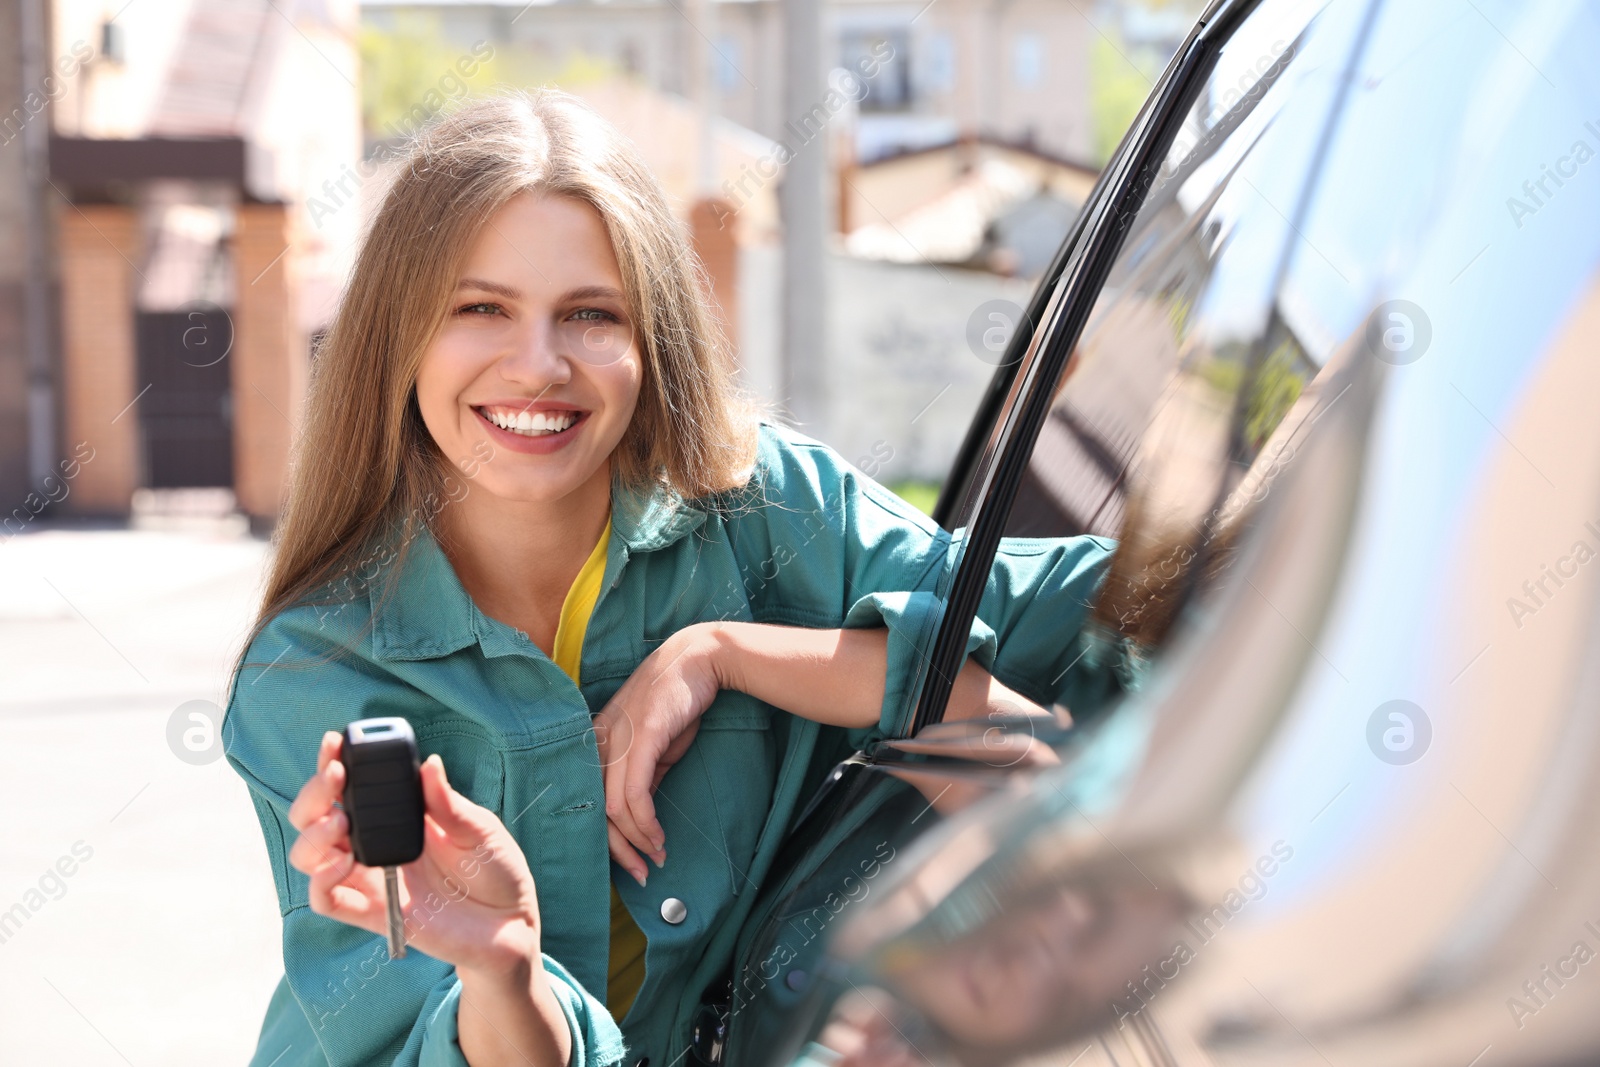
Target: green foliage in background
1222 368
400 65
1119 81
920 495
1276 388
409 62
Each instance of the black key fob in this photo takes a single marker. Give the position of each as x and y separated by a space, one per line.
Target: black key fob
383 791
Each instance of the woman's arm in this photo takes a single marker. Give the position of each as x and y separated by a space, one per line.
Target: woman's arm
510 1015
343 1000
835 677
487 924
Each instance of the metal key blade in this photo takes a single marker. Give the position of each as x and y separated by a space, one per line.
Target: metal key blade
397 929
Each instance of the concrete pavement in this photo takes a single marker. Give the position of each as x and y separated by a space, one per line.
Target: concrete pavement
138 921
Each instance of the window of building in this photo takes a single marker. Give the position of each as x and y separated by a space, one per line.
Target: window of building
1027 60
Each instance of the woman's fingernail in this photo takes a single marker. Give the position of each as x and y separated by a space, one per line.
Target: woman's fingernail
640 877
660 858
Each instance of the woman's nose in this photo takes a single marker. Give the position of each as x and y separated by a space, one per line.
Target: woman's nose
536 356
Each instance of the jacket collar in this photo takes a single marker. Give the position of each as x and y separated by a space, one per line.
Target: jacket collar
424 612
646 521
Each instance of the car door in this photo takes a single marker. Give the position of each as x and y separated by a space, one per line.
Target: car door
1273 367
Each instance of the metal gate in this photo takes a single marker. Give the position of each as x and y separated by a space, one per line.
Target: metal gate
186 413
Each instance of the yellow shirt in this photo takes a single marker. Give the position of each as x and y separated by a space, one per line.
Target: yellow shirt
626 971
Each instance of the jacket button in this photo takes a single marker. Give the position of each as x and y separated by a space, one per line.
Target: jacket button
674 910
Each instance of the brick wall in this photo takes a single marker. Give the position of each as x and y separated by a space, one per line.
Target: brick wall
270 358
711 230
99 246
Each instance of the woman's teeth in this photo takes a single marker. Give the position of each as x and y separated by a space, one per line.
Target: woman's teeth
535 424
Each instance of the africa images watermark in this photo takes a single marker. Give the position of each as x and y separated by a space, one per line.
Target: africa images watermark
1538 591
1399 732
366 570
853 85
812 923
1253 80
51 86
1537 192
1205 926
1540 990
52 490
51 885
345 187
422 912
754 577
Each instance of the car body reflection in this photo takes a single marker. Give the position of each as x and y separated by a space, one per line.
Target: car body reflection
1334 405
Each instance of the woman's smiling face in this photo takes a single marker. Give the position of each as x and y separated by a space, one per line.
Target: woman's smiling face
537 365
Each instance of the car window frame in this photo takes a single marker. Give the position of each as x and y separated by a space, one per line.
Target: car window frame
1017 402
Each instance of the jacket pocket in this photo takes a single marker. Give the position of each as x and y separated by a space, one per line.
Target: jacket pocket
737 756
555 809
472 760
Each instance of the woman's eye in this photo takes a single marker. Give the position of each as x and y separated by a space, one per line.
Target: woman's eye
474 309
595 315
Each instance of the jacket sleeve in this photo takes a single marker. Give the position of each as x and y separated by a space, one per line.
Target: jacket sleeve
595 1039
841 549
1034 630
358 1006
820 544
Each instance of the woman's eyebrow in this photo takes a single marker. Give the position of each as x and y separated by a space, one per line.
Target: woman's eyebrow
591 292
489 287
583 292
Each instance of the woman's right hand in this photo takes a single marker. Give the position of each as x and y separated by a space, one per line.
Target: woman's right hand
467 900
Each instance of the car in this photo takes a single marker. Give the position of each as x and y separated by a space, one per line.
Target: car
1320 359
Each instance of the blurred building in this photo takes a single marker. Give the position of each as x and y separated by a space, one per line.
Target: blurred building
1010 70
940 247
979 204
200 174
184 277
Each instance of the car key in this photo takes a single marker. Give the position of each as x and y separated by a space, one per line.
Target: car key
383 801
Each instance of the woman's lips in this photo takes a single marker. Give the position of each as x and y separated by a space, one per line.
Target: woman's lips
540 444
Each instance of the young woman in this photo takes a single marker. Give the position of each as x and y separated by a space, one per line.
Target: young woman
531 515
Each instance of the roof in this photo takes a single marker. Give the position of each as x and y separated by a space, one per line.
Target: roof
952 204
983 139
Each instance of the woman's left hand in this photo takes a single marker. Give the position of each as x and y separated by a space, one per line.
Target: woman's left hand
646 728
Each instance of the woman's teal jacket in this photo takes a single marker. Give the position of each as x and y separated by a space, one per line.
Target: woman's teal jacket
810 543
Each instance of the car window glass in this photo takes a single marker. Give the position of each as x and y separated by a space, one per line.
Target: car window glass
1189 368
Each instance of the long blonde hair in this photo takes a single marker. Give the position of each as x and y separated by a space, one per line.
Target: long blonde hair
366 465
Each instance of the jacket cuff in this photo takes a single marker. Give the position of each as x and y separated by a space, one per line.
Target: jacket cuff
911 618
441 1046
596 1041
